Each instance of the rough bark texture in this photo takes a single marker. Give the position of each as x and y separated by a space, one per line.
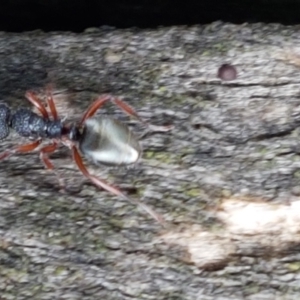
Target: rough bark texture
226 178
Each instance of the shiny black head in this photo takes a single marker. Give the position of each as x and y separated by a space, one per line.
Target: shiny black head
74 133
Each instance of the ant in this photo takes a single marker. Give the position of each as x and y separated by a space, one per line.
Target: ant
100 138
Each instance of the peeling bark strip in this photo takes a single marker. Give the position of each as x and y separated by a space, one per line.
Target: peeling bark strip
226 179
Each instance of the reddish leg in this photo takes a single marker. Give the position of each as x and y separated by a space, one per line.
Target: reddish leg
102 184
44 152
51 103
34 100
20 149
124 106
94 107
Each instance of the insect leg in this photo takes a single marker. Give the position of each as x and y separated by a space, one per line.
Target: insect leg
102 184
94 107
51 103
20 149
34 100
124 107
44 152
131 112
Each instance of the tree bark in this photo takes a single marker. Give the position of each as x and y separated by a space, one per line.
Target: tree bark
226 178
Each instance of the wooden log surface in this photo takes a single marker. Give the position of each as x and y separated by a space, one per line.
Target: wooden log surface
226 178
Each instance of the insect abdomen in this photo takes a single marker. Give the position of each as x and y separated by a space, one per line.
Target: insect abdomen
108 141
4 121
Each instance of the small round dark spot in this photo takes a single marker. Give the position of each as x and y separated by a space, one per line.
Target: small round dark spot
227 72
131 190
197 126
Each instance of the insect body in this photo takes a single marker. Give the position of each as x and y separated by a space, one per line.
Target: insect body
28 124
100 138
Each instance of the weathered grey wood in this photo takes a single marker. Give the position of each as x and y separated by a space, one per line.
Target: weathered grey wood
227 178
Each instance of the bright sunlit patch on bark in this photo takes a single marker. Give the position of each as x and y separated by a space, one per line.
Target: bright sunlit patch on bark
244 217
249 226
205 249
